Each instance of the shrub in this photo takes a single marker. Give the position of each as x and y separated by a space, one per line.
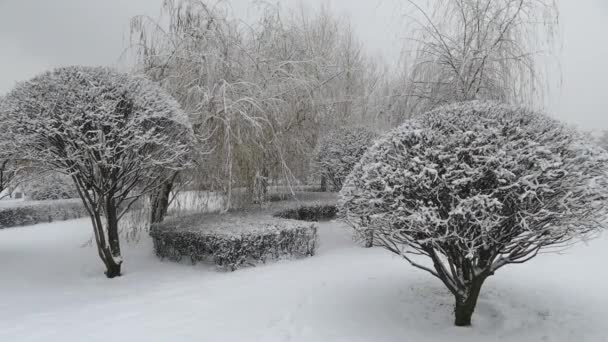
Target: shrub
233 241
474 187
339 151
28 213
309 212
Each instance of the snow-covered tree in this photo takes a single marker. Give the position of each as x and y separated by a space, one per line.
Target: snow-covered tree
258 93
114 134
602 140
248 89
339 151
478 50
476 186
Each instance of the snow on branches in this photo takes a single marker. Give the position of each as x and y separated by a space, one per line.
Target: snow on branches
474 50
475 186
111 132
339 151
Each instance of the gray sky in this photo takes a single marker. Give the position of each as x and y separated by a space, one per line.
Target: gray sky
36 35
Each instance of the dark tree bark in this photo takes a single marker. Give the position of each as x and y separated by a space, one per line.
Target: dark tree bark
113 270
465 305
113 266
265 175
159 200
108 250
108 245
323 183
369 238
368 234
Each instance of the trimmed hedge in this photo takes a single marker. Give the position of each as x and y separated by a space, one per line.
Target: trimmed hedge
233 241
309 212
32 212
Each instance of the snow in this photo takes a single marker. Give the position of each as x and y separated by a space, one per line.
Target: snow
53 289
236 224
14 203
10 202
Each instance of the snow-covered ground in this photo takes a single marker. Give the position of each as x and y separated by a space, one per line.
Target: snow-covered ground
52 289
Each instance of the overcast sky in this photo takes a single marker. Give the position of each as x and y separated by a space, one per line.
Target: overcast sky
36 35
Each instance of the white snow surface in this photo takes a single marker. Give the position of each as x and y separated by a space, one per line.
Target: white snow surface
53 289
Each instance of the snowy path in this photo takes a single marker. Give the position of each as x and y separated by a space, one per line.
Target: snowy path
51 289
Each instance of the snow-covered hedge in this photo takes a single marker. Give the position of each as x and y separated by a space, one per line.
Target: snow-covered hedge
28 213
233 241
309 212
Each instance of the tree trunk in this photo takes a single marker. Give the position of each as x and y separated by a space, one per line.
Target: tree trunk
260 187
369 238
159 200
265 175
108 247
109 252
465 306
323 184
113 258
113 270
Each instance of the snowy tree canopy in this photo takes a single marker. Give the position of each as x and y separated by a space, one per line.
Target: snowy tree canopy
339 151
70 116
111 132
476 186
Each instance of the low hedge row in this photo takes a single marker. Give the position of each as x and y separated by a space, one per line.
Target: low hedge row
233 241
32 212
309 212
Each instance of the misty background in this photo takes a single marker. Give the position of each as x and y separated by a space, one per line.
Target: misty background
36 35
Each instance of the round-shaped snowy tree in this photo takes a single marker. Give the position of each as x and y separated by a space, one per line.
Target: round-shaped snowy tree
339 151
474 187
111 132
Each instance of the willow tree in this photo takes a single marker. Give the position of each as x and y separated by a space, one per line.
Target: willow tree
114 134
479 49
258 94
246 99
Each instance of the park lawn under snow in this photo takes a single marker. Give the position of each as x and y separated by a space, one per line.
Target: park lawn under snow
52 289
